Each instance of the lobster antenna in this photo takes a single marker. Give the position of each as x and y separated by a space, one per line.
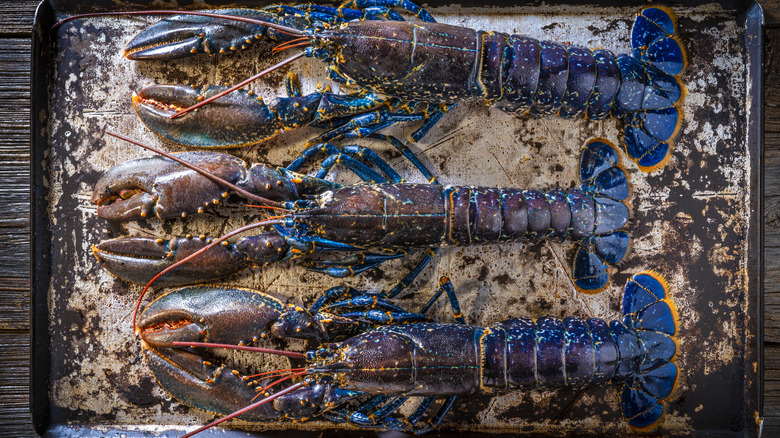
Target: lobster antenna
246 409
297 42
275 205
288 370
276 382
239 85
292 354
287 30
195 254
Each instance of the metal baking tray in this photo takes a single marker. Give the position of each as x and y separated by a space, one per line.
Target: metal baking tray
698 222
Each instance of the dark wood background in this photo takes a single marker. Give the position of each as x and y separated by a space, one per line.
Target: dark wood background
16 19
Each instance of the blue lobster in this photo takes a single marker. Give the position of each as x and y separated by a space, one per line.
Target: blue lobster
384 213
396 355
427 62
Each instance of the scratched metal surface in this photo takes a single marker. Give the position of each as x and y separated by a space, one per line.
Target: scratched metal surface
691 223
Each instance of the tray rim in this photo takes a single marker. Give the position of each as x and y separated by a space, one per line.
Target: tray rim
40 236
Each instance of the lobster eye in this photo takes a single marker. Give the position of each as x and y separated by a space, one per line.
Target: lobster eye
264 248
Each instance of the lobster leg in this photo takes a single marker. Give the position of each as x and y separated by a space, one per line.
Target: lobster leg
380 418
407 5
366 124
353 265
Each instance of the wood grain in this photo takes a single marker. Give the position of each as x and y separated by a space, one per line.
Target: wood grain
15 23
16 18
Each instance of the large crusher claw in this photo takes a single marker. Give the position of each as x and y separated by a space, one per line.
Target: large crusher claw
223 315
157 186
181 36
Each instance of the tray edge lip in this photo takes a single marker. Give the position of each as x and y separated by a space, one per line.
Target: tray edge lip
39 228
40 233
755 45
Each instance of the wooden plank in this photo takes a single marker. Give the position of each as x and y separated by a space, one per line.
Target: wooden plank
771 12
14 385
15 302
772 227
16 17
772 215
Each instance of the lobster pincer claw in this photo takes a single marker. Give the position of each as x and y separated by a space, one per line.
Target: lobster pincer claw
157 186
241 118
136 189
139 259
237 119
182 36
221 315
226 315
196 382
221 390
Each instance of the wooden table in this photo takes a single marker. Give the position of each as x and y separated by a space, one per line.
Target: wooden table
16 19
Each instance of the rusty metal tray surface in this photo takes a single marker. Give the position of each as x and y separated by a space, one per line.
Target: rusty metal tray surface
697 222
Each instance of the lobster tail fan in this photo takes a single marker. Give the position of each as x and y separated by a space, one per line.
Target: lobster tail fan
606 181
590 269
649 132
653 40
600 171
648 310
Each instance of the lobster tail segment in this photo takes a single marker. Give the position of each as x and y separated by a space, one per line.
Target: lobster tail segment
603 177
648 310
658 56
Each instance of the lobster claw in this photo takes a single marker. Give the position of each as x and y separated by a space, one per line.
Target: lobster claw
227 316
139 188
139 259
237 119
196 314
181 36
136 189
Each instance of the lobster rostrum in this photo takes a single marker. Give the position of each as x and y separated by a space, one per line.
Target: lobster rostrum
431 360
441 63
383 214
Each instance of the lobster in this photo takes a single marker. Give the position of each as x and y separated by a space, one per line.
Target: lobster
391 362
384 213
242 118
444 64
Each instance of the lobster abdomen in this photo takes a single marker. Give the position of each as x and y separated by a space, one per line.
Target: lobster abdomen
420 215
431 359
446 63
548 352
